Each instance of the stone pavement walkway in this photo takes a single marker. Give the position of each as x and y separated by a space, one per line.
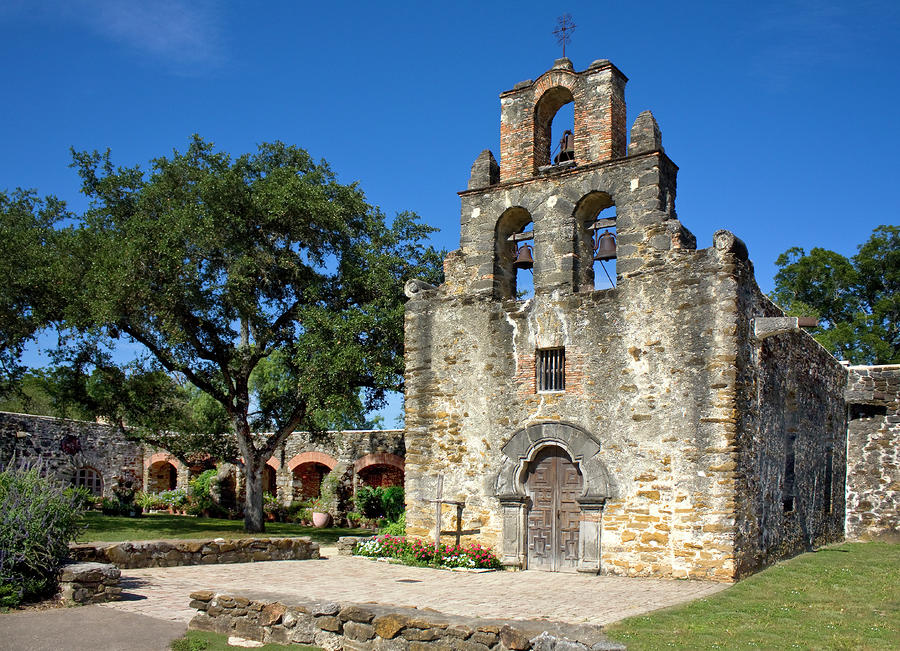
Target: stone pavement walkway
570 598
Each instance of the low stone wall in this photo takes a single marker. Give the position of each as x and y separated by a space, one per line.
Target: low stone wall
337 626
346 544
169 553
89 583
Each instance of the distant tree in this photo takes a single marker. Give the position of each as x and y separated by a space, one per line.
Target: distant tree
857 299
260 281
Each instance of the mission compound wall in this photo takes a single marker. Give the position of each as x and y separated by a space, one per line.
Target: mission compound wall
688 429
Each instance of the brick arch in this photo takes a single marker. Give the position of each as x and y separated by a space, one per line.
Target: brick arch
162 456
379 458
546 106
380 469
312 457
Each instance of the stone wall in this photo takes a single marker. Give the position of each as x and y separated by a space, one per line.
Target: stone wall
873 453
171 553
61 447
89 583
332 625
789 435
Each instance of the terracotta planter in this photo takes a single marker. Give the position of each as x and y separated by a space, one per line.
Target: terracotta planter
321 520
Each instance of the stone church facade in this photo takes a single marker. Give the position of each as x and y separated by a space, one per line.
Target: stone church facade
675 424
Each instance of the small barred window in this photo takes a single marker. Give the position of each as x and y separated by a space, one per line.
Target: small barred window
90 479
551 369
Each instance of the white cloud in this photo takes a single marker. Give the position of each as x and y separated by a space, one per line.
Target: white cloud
185 34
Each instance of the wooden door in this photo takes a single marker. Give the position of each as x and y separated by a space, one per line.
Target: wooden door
553 483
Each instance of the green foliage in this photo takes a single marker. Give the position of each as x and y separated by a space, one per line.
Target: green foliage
38 520
394 527
857 299
393 503
380 502
32 273
368 502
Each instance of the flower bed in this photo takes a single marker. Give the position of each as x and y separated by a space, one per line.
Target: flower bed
414 551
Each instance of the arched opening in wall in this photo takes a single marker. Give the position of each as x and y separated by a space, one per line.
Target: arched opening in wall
514 255
90 479
268 480
380 474
161 476
595 242
308 480
546 127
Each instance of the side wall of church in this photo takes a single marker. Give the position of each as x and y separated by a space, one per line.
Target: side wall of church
59 447
791 439
873 452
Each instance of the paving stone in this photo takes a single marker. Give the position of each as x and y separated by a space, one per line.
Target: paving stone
166 593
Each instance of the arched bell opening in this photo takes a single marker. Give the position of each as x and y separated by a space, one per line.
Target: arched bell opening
545 111
595 242
514 255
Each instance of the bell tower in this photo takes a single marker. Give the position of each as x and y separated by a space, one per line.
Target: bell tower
601 192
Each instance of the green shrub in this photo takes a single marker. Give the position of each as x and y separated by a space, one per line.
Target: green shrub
395 528
392 502
201 501
38 519
299 512
368 502
273 508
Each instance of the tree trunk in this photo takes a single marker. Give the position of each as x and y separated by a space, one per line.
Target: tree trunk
254 522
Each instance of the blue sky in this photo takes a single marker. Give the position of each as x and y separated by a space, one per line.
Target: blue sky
782 116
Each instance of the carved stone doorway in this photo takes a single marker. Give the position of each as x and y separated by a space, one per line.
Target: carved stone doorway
553 484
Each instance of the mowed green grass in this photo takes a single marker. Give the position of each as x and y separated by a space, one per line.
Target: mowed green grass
108 528
203 641
841 597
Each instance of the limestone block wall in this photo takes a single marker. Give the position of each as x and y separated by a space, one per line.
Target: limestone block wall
645 364
873 453
61 447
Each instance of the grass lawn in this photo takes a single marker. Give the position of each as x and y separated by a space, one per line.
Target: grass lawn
109 528
841 597
203 641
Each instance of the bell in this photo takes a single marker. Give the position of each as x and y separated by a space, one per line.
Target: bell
605 247
523 258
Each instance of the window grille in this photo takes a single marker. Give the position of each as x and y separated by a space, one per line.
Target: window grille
90 479
551 369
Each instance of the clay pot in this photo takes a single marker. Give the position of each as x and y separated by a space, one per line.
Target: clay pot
321 520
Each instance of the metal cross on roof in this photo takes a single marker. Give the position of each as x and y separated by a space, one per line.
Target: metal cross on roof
563 32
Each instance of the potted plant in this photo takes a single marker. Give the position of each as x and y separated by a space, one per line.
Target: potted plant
321 518
321 506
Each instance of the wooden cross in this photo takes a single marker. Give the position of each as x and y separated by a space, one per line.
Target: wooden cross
564 28
439 501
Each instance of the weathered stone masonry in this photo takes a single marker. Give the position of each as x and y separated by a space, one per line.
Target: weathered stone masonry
873 453
681 420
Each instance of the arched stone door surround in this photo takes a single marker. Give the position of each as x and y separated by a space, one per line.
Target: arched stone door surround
521 449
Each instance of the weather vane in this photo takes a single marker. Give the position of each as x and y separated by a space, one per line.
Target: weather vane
563 32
